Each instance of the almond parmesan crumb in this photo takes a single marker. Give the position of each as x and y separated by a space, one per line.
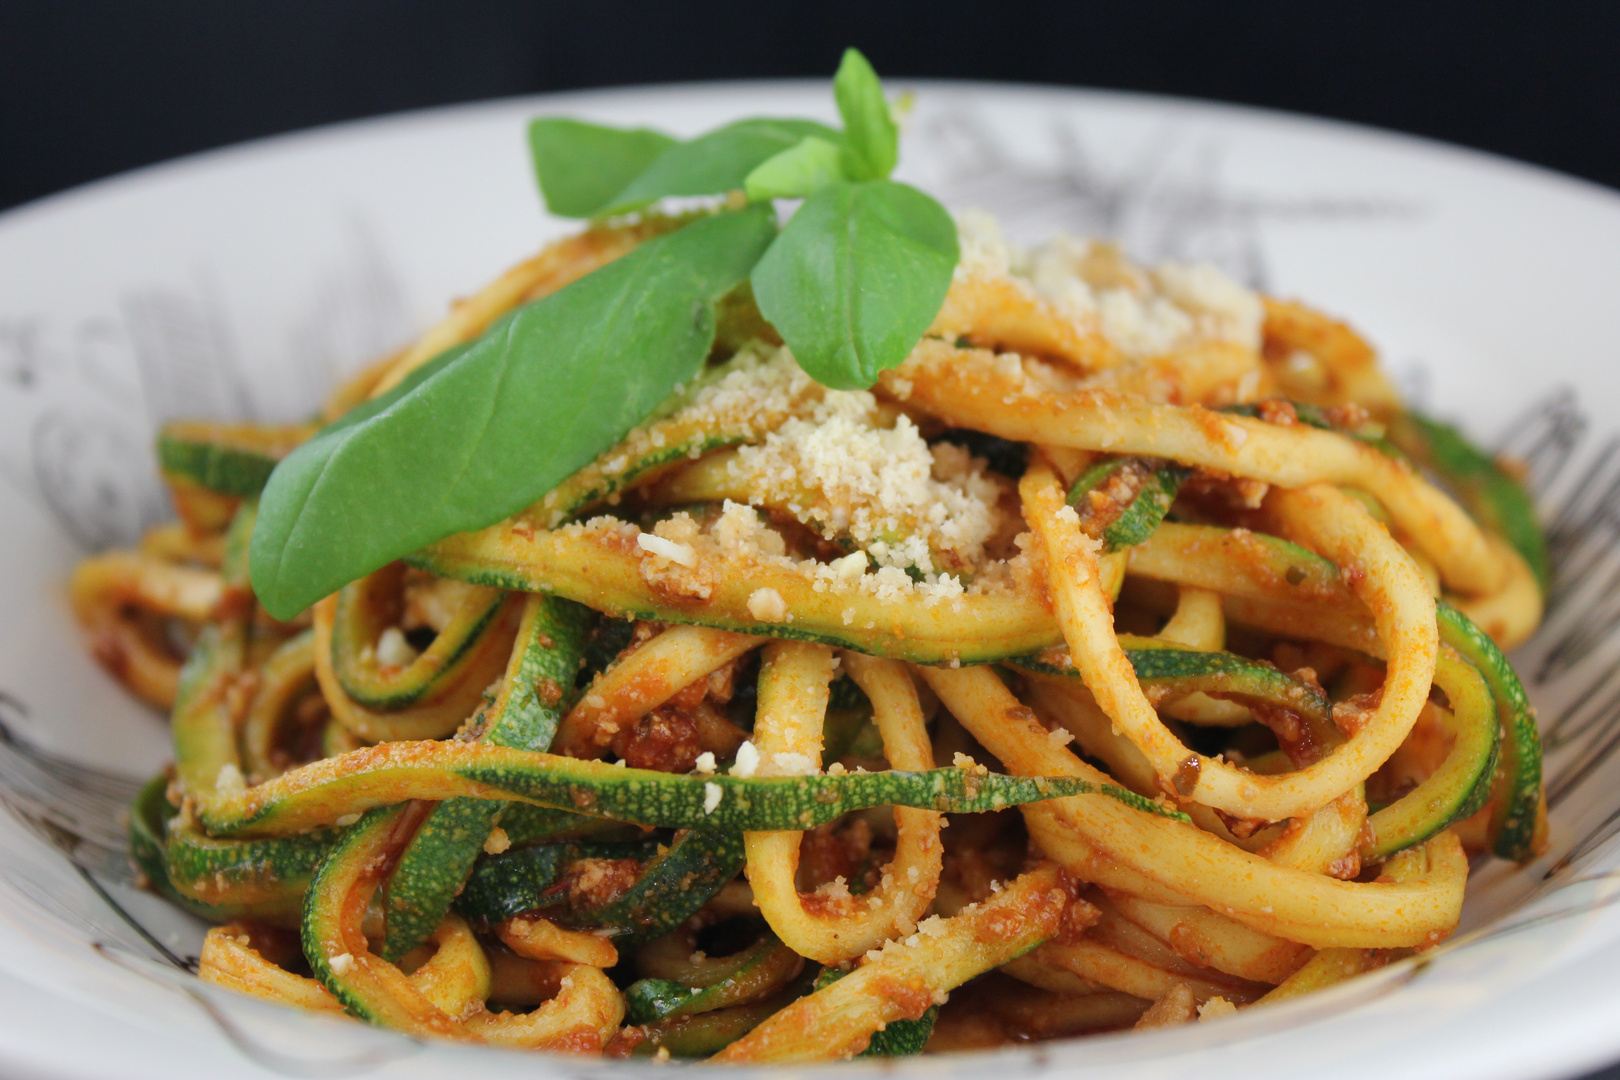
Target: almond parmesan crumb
767 605
747 762
680 554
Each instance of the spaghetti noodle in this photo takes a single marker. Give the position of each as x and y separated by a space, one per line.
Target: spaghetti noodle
1129 578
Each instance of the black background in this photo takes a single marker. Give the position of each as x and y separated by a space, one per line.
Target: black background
90 89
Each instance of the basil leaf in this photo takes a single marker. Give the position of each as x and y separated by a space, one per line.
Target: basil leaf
872 138
796 172
856 277
716 163
501 423
582 166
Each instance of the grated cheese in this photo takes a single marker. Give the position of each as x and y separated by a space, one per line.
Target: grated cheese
393 650
851 566
679 554
747 762
1141 314
705 764
838 471
767 605
712 794
228 781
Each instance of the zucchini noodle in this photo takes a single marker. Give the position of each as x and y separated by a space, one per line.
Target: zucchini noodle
1123 658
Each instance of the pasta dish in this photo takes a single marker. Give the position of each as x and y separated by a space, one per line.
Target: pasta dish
1074 647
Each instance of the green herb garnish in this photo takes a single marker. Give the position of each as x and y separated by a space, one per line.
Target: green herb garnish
487 428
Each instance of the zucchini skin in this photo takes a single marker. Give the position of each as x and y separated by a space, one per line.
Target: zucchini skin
700 1035
202 724
221 880
326 902
432 867
760 970
149 819
672 887
526 824
1516 816
1178 671
516 881
265 879
1463 782
1144 512
395 772
355 626
226 459
1495 499
435 864
902 1038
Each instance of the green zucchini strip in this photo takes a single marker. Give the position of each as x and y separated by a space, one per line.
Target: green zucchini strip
435 864
323 791
701 1035
675 881
362 616
901 1038
1461 784
1157 490
227 459
1516 810
1169 672
334 943
518 880
526 824
202 724
600 565
757 972
1495 499
284 677
672 886
262 885
264 878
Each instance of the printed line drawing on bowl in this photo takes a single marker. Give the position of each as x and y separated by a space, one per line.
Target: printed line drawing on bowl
82 812
92 389
1165 200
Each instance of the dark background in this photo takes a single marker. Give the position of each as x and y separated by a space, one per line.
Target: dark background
90 89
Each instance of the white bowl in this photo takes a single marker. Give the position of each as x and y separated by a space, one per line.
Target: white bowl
244 282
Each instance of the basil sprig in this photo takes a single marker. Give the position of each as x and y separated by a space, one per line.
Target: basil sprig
863 266
851 283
